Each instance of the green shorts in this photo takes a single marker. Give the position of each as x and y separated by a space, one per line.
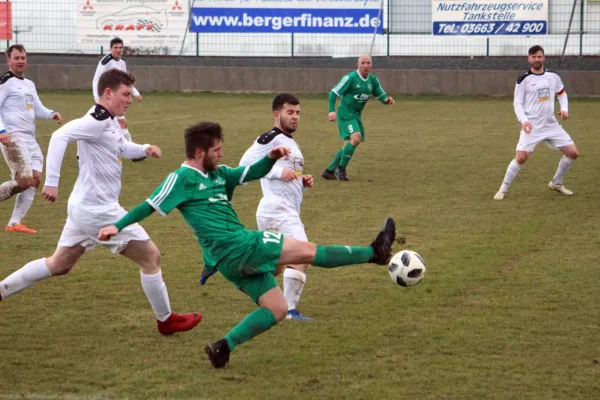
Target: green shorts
348 126
252 270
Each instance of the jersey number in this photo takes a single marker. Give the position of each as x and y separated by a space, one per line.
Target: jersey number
350 129
271 237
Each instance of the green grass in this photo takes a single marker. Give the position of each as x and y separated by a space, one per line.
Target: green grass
508 308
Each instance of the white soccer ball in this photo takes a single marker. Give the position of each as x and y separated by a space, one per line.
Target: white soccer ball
407 268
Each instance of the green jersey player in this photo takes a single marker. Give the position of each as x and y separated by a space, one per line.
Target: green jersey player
355 89
202 191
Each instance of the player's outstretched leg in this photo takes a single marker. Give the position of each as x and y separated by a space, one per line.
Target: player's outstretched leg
511 172
8 189
329 173
563 167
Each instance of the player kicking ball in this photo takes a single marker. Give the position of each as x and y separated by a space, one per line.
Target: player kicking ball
94 202
202 191
535 92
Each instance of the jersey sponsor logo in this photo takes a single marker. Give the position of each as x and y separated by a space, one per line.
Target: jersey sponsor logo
220 197
361 97
220 181
544 94
202 186
29 102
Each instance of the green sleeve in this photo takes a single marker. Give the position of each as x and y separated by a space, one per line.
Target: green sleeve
137 214
168 195
379 92
247 173
332 99
342 85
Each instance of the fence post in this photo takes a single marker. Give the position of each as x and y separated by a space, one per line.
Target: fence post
389 30
292 44
197 46
581 17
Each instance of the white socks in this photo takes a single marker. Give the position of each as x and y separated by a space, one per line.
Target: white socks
293 283
22 204
8 189
25 277
563 166
511 172
156 292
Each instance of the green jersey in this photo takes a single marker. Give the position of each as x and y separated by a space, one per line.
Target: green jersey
355 91
204 200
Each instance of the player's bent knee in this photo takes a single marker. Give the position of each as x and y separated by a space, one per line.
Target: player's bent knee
279 310
521 157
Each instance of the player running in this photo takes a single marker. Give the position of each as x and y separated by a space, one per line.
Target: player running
355 89
202 191
19 107
535 92
94 202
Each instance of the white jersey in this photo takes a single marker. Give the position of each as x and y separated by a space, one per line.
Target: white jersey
101 145
108 62
19 106
534 99
288 193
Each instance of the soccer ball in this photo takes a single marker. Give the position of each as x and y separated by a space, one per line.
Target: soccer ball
407 268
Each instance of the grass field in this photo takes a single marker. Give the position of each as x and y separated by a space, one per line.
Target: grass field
508 308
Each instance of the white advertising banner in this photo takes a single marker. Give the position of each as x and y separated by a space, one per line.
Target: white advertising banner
140 23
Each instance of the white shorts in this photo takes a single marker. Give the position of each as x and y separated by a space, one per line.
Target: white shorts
23 156
83 225
275 217
555 138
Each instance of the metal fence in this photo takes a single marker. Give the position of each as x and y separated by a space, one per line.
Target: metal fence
406 29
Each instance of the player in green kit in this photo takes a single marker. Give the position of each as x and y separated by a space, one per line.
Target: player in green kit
355 89
202 191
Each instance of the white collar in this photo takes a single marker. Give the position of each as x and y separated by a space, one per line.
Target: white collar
204 174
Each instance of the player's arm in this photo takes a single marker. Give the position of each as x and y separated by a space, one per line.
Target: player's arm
244 174
137 214
518 106
42 112
134 92
80 129
337 91
134 151
563 100
99 71
4 135
380 94
256 153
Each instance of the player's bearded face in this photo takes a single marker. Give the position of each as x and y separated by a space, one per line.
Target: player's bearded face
18 61
212 156
537 60
288 117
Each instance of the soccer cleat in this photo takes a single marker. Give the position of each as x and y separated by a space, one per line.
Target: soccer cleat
329 175
179 323
296 315
560 189
206 273
499 195
20 228
382 246
218 353
341 174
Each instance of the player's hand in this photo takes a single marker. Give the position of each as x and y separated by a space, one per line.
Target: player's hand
138 97
280 152
332 116
154 151
50 193
389 100
308 181
564 115
56 116
5 139
527 127
288 175
107 232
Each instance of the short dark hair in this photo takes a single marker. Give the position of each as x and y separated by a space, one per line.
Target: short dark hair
113 78
535 49
115 41
18 47
284 98
202 135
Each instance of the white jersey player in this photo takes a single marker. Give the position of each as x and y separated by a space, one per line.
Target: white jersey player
283 187
108 62
19 107
535 93
94 202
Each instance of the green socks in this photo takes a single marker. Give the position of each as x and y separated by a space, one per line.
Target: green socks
347 155
258 321
337 256
336 161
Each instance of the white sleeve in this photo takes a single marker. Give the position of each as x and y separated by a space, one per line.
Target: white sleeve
99 71
518 102
132 150
3 95
563 100
134 90
39 109
255 153
85 128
